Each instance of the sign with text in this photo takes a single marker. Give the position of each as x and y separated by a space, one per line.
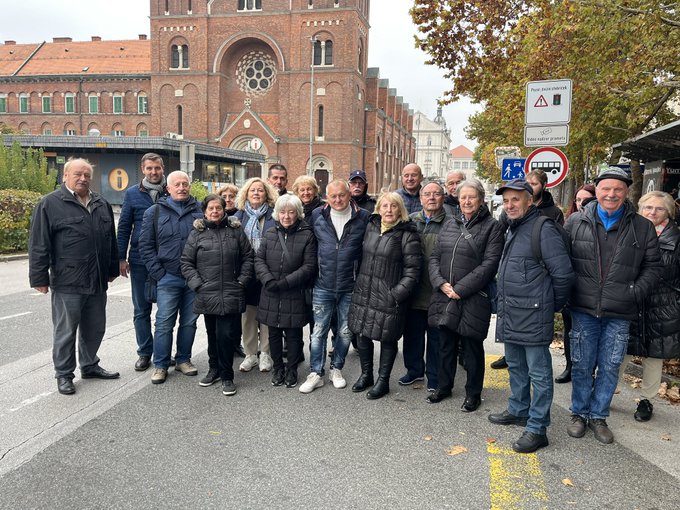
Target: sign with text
548 102
546 136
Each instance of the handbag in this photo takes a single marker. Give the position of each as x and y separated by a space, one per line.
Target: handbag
491 290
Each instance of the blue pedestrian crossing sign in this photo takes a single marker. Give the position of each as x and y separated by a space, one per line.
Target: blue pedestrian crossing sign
512 169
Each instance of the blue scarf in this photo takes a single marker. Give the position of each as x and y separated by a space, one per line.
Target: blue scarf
252 228
609 220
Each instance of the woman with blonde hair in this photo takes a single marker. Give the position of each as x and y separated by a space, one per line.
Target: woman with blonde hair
307 190
255 203
389 273
656 334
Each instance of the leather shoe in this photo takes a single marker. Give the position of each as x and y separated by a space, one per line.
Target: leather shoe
437 396
143 362
577 427
471 404
499 363
530 442
98 372
65 385
505 418
238 351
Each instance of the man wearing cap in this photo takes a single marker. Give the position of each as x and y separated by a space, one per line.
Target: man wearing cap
616 259
358 187
411 177
530 291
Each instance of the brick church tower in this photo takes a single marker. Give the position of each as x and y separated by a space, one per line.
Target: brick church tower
238 73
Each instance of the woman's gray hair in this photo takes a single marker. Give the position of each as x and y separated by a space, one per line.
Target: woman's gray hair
288 201
475 185
666 198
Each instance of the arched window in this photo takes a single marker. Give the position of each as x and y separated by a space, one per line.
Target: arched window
167 6
179 56
323 53
117 130
180 119
70 129
320 127
360 63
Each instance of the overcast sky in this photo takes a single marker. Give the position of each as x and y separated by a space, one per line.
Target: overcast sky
391 46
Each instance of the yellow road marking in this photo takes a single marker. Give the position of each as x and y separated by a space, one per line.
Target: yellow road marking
515 479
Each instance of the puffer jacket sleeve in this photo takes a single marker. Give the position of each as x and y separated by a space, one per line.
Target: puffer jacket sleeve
557 262
434 267
247 273
188 262
651 267
125 222
40 246
262 271
480 276
412 259
302 276
147 245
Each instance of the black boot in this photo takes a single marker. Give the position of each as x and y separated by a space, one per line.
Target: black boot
388 353
365 347
565 376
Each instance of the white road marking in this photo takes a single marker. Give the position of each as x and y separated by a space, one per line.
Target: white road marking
30 401
15 315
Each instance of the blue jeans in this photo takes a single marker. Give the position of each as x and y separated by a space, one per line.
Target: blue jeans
530 368
326 304
414 347
600 343
174 296
142 310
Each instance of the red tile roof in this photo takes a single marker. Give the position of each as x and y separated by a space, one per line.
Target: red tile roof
99 57
461 152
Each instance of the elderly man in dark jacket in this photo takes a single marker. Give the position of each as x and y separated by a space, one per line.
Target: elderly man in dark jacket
72 250
530 291
166 227
616 258
138 198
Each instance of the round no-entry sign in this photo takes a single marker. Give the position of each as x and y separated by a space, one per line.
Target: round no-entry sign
552 161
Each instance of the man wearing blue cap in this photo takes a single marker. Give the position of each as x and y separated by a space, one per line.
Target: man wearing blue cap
530 291
358 187
617 261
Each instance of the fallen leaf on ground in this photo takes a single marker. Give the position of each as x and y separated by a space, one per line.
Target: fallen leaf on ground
673 394
215 432
418 386
568 482
491 440
666 437
456 450
427 438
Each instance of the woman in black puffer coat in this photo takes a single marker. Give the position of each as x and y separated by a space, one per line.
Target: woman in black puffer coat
389 273
461 268
286 265
656 334
217 263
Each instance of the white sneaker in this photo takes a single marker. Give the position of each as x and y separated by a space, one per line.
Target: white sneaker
266 362
249 363
313 382
337 379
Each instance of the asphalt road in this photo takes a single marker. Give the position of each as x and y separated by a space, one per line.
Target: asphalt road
128 444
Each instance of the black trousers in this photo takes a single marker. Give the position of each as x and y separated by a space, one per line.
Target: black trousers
473 351
224 334
294 345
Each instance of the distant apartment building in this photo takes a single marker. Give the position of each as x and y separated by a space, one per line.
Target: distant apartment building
462 160
433 140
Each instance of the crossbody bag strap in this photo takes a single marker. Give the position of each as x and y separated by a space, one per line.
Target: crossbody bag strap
471 240
283 244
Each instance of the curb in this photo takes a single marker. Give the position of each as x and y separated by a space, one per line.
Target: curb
14 256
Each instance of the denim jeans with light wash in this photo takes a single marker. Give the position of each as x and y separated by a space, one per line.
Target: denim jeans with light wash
530 368
174 296
142 310
600 343
325 304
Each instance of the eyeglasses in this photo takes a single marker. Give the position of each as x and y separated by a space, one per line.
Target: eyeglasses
435 194
650 208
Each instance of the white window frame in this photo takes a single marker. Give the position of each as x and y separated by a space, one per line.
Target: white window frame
142 104
243 5
73 106
3 103
117 132
27 99
47 98
69 132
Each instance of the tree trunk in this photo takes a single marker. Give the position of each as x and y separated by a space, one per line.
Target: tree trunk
636 188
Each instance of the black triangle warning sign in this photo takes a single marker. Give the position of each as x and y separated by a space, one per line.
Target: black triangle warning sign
541 102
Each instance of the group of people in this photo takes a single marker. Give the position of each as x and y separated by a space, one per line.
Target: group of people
427 263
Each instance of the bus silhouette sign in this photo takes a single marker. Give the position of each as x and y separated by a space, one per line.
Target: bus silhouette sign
552 161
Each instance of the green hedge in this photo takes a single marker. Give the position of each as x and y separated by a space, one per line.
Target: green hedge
16 207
